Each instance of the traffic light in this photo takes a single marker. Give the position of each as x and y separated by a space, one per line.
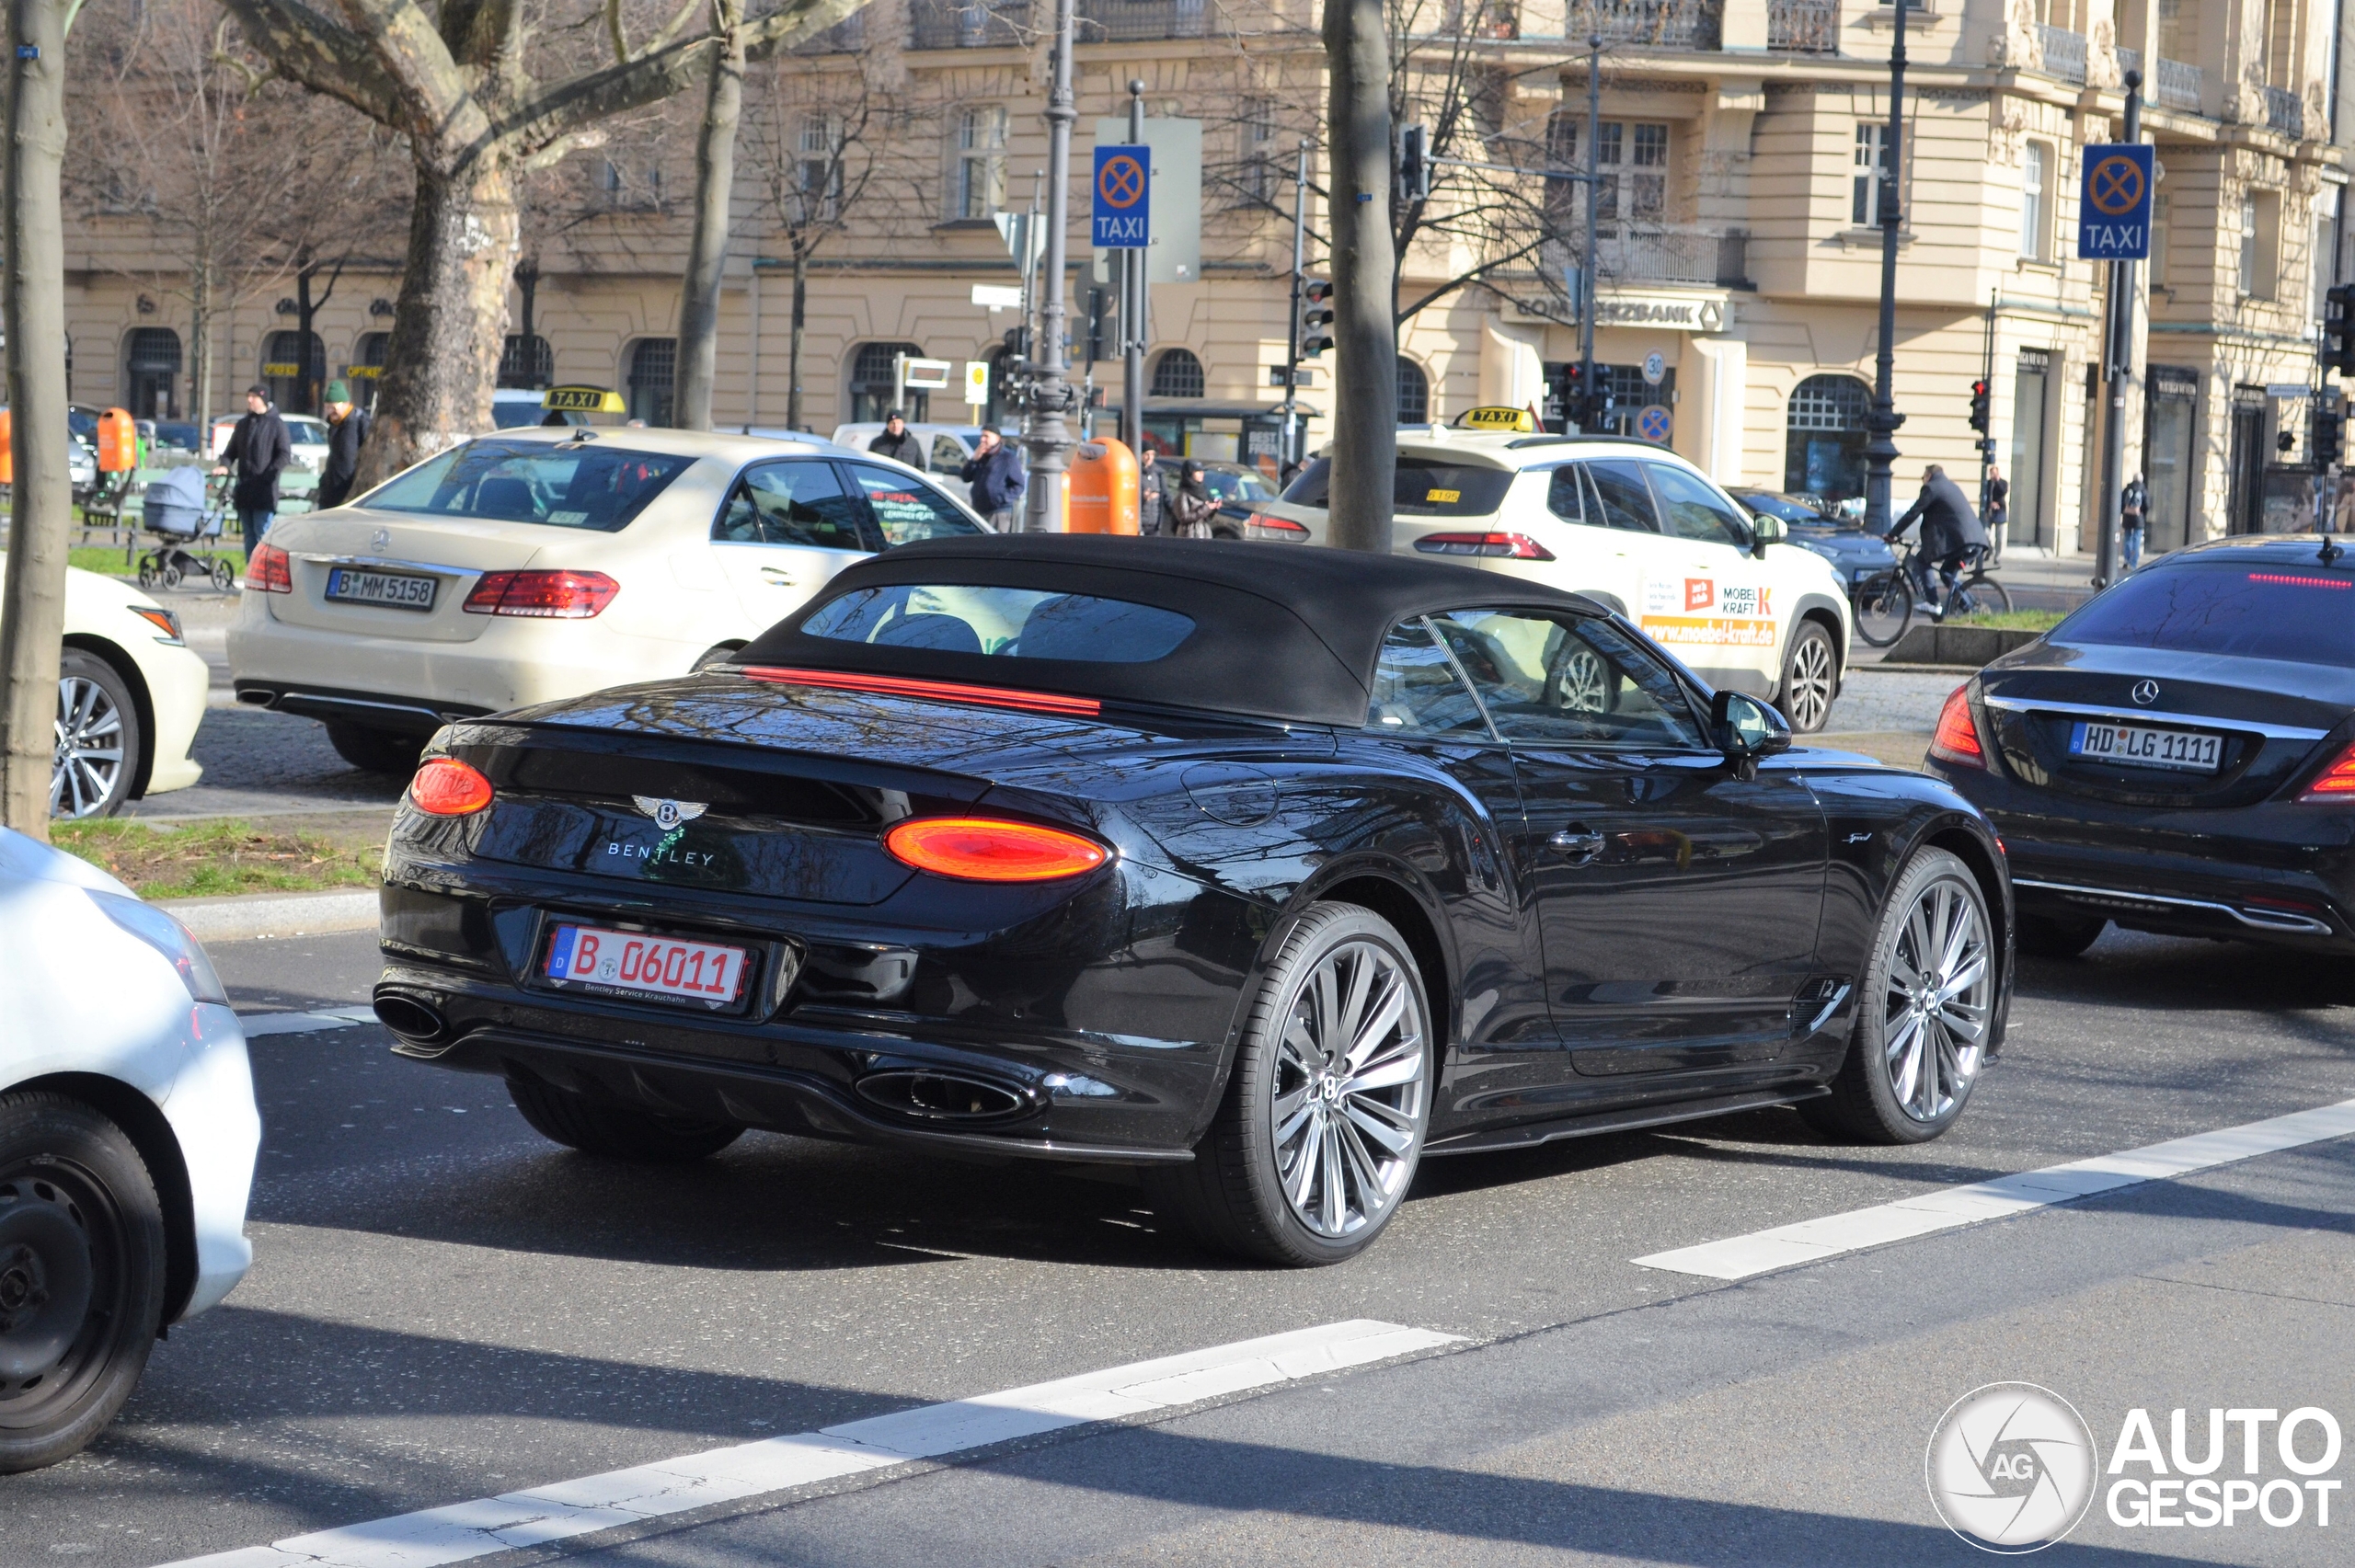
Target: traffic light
1414 163
1098 317
1315 318
2339 330
2325 437
1978 416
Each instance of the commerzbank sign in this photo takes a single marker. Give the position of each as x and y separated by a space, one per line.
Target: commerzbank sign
1679 312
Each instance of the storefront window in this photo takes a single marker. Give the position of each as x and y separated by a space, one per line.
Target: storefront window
1824 446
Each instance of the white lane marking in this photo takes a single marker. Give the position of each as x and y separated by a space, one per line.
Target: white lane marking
569 1509
1786 1246
256 1024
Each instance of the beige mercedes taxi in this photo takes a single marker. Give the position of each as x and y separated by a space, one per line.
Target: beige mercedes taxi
1630 523
530 564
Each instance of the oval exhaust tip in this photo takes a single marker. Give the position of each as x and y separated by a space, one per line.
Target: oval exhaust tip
410 1018
942 1096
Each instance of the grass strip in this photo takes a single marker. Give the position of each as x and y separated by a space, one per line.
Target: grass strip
207 859
2011 620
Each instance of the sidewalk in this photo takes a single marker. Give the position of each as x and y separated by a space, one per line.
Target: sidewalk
2039 580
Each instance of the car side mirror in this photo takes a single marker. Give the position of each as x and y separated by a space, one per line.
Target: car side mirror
1747 729
1765 530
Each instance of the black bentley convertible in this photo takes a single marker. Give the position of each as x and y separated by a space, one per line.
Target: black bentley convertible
1269 871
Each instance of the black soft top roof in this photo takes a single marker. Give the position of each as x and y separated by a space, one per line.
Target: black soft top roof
1281 631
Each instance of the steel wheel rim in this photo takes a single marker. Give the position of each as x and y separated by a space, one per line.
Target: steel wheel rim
61 1280
1347 1114
1935 1006
1810 682
89 761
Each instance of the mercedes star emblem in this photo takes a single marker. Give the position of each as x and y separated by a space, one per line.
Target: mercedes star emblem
669 813
2146 691
381 540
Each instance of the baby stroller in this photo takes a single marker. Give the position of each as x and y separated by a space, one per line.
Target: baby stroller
175 511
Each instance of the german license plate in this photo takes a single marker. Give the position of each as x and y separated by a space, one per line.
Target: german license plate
632 963
2183 749
394 590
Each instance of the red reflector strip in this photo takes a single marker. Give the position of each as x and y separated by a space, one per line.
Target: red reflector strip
2300 580
938 691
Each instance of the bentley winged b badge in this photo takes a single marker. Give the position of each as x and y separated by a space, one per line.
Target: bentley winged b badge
669 813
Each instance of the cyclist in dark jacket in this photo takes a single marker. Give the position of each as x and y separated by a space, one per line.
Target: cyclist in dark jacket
899 441
1950 531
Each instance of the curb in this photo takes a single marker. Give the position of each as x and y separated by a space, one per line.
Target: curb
245 916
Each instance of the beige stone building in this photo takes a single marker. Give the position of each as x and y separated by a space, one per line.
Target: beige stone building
1739 238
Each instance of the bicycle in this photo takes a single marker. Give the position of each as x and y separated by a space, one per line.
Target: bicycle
1883 604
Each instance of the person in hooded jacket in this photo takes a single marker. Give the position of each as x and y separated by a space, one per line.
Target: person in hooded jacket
899 443
258 453
1194 507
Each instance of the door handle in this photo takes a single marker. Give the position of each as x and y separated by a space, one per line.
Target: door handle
778 575
1577 842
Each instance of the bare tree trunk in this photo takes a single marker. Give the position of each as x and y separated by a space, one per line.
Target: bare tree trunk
200 352
450 322
707 252
1365 334
801 320
32 600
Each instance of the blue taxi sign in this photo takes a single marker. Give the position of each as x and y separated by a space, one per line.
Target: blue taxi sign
2114 211
1123 190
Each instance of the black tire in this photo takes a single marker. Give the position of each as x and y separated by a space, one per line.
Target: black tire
1988 597
225 578
711 658
1233 1194
375 750
2055 936
82 1260
98 739
1884 609
148 578
1869 1101
1810 678
620 1132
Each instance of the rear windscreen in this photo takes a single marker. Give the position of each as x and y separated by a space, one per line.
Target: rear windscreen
2289 612
1423 487
1009 622
563 484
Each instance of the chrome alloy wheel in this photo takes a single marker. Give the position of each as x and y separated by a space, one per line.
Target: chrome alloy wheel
90 755
1585 684
1810 684
1935 1007
1351 1086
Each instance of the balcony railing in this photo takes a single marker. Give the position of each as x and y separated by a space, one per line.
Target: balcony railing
1630 255
1659 24
2177 86
1803 26
2065 52
845 37
2285 111
2128 60
1133 21
979 24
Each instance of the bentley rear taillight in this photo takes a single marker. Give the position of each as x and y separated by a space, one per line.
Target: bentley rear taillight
986 848
1958 736
269 570
545 595
2336 781
447 787
1517 547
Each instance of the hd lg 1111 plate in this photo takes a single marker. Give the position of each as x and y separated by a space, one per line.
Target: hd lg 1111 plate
2182 749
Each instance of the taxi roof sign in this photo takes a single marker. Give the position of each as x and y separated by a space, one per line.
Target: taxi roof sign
584 400
1497 419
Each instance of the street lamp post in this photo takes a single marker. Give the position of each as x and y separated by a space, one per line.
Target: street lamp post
1880 451
1587 398
1133 308
1048 438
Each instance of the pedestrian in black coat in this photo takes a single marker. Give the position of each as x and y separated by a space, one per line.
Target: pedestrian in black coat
898 442
347 430
259 451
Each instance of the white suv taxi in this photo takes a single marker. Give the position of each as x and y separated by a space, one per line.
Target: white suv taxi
1634 525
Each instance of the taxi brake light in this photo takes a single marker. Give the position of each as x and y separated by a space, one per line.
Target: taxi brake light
543 595
1518 547
271 570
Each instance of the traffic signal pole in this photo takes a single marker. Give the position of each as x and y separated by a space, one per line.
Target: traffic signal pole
1593 187
2118 364
1133 308
1292 453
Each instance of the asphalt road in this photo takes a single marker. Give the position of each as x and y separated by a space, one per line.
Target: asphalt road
446 1308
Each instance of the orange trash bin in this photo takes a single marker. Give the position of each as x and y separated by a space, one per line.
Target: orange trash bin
7 453
1103 494
117 441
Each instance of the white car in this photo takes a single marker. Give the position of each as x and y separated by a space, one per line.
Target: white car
1631 524
127 1140
305 435
537 564
130 697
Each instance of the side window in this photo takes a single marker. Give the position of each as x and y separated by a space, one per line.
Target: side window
1565 497
1569 681
1695 511
948 457
790 503
907 511
1417 690
1624 500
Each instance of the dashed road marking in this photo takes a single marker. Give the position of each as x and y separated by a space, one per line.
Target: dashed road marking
570 1509
1810 1241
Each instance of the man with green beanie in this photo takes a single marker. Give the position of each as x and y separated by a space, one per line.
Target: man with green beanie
347 429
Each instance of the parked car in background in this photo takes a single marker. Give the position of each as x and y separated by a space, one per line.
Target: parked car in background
307 434
2178 755
126 1139
538 564
1633 526
1855 554
173 435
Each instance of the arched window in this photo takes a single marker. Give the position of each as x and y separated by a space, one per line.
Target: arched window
1824 444
874 386
151 373
1414 393
294 378
1177 375
532 369
653 372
